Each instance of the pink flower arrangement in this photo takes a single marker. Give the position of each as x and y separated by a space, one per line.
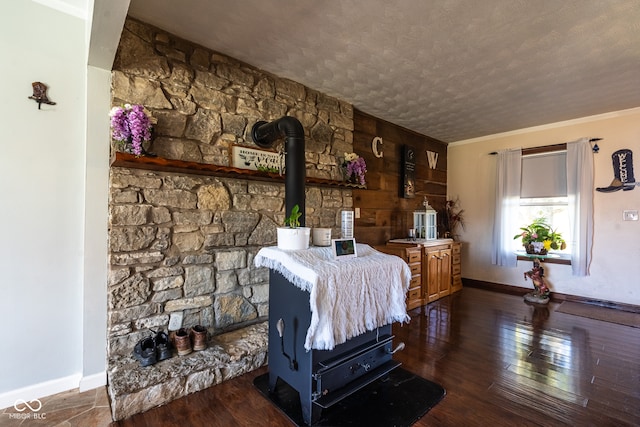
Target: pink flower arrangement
539 233
130 125
356 167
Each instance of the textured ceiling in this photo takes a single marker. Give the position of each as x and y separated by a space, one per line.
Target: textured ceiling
450 69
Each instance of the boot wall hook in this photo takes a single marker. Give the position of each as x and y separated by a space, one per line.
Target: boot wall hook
40 94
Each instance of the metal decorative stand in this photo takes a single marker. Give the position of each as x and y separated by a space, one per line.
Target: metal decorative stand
541 293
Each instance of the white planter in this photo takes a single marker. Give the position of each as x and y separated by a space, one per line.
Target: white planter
321 236
537 246
291 239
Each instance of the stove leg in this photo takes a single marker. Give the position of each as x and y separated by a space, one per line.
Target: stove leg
310 413
273 380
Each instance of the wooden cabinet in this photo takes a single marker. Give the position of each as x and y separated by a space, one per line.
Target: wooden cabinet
436 268
456 271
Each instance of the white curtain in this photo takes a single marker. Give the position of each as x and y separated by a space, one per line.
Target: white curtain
580 193
508 176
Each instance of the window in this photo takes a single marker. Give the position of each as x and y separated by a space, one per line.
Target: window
579 193
543 193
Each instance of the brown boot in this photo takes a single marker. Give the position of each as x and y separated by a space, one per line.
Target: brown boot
182 342
199 336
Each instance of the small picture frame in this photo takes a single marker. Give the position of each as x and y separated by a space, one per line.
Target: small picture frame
344 248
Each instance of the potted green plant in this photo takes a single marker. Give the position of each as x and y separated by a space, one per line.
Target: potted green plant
292 236
538 238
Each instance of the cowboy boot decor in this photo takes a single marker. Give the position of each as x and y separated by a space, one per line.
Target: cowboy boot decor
622 171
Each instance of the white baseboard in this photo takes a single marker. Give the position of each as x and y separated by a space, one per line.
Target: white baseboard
90 382
39 391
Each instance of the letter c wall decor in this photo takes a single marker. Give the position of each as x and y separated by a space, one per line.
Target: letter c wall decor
374 147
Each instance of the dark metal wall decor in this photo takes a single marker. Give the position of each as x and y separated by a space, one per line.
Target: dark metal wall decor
408 172
623 177
40 94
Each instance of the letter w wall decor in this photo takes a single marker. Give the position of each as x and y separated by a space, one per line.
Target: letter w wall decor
432 158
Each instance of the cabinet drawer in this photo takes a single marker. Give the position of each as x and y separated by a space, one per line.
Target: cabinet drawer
455 269
436 248
414 294
413 256
457 280
415 282
455 259
415 268
455 249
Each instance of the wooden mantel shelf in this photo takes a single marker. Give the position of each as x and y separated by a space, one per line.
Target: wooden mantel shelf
126 160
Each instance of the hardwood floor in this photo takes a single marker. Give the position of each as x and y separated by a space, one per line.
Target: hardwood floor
70 408
502 362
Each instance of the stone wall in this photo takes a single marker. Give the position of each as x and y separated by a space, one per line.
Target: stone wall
204 102
184 243
187 243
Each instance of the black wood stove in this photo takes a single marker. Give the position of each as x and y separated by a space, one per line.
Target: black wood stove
321 377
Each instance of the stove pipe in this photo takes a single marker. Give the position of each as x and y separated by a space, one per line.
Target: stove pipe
264 135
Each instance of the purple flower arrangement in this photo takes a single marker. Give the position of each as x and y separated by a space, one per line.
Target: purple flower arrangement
356 167
130 125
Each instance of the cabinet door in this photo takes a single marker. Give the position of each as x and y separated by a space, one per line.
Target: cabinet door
437 273
444 277
432 274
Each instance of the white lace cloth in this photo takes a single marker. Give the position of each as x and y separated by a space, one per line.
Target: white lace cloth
347 297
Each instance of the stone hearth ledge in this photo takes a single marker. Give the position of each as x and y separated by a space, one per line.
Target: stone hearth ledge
134 389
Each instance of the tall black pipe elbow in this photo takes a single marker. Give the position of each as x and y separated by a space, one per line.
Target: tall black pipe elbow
264 135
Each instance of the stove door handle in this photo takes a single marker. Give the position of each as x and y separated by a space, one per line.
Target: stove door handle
280 327
400 347
293 364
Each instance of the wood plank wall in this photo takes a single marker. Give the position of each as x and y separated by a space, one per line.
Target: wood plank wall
384 214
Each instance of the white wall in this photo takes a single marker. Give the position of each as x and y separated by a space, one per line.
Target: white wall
104 28
94 302
44 251
615 269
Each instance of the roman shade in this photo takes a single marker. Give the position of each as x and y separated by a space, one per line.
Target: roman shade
544 175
